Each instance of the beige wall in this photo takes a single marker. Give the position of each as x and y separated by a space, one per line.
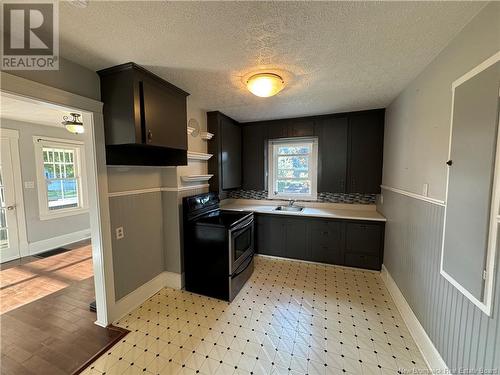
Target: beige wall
417 127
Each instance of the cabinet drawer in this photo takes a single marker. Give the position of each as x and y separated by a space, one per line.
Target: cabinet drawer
362 261
363 238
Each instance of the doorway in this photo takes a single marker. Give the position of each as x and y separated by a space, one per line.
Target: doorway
9 228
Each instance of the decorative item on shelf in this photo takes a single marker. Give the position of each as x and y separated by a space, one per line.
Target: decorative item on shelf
265 84
73 123
193 127
193 155
196 177
206 135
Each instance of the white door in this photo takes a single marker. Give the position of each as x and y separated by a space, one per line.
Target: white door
9 235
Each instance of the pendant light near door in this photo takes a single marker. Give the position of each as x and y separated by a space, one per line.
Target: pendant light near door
265 84
73 123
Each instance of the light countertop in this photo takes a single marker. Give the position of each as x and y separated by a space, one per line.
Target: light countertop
324 210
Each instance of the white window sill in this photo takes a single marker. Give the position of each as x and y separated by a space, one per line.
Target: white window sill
63 213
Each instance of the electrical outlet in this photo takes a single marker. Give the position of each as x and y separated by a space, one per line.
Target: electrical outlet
425 190
29 184
119 233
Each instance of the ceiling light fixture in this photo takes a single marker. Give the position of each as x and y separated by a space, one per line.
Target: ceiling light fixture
265 84
73 124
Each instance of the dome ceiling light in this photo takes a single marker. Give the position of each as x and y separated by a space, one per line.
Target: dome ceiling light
73 125
265 84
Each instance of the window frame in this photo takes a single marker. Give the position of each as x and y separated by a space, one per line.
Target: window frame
272 169
80 175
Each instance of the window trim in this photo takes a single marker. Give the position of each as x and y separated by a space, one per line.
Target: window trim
43 204
313 169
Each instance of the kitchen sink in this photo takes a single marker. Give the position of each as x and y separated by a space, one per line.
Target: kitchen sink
289 208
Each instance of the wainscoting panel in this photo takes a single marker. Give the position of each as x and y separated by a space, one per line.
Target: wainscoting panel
464 336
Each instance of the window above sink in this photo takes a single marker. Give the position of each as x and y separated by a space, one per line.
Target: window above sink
293 168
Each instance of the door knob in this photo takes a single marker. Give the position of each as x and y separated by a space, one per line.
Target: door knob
449 163
10 208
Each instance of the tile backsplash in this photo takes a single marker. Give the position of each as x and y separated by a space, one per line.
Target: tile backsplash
354 198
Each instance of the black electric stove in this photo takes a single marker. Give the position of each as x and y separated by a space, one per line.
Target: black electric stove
218 247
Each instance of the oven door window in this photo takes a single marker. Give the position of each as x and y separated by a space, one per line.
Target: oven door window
241 243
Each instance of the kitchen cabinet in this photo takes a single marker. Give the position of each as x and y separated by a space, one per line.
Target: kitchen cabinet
332 135
333 241
254 153
144 117
230 133
350 148
270 235
364 244
325 241
163 112
295 238
303 127
366 143
277 129
226 147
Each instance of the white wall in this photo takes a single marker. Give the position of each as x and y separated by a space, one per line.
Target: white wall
417 126
38 230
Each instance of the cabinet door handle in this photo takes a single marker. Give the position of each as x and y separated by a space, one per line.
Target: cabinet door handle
150 135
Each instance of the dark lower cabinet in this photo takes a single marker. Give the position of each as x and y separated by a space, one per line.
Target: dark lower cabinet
270 235
295 239
324 241
341 242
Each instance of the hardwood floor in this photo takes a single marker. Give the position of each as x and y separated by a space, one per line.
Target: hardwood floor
31 278
53 332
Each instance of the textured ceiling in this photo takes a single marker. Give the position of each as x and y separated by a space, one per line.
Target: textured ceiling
335 56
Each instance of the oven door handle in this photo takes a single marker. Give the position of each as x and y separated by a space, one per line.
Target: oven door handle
236 231
243 266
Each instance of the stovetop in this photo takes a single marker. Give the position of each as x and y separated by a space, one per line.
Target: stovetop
222 218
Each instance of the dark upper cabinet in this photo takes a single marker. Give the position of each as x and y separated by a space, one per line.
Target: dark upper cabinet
144 117
332 154
164 111
366 145
349 155
254 155
277 129
300 127
226 147
231 154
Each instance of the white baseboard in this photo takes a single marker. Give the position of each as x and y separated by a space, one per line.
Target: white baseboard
431 355
173 280
55 242
128 303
